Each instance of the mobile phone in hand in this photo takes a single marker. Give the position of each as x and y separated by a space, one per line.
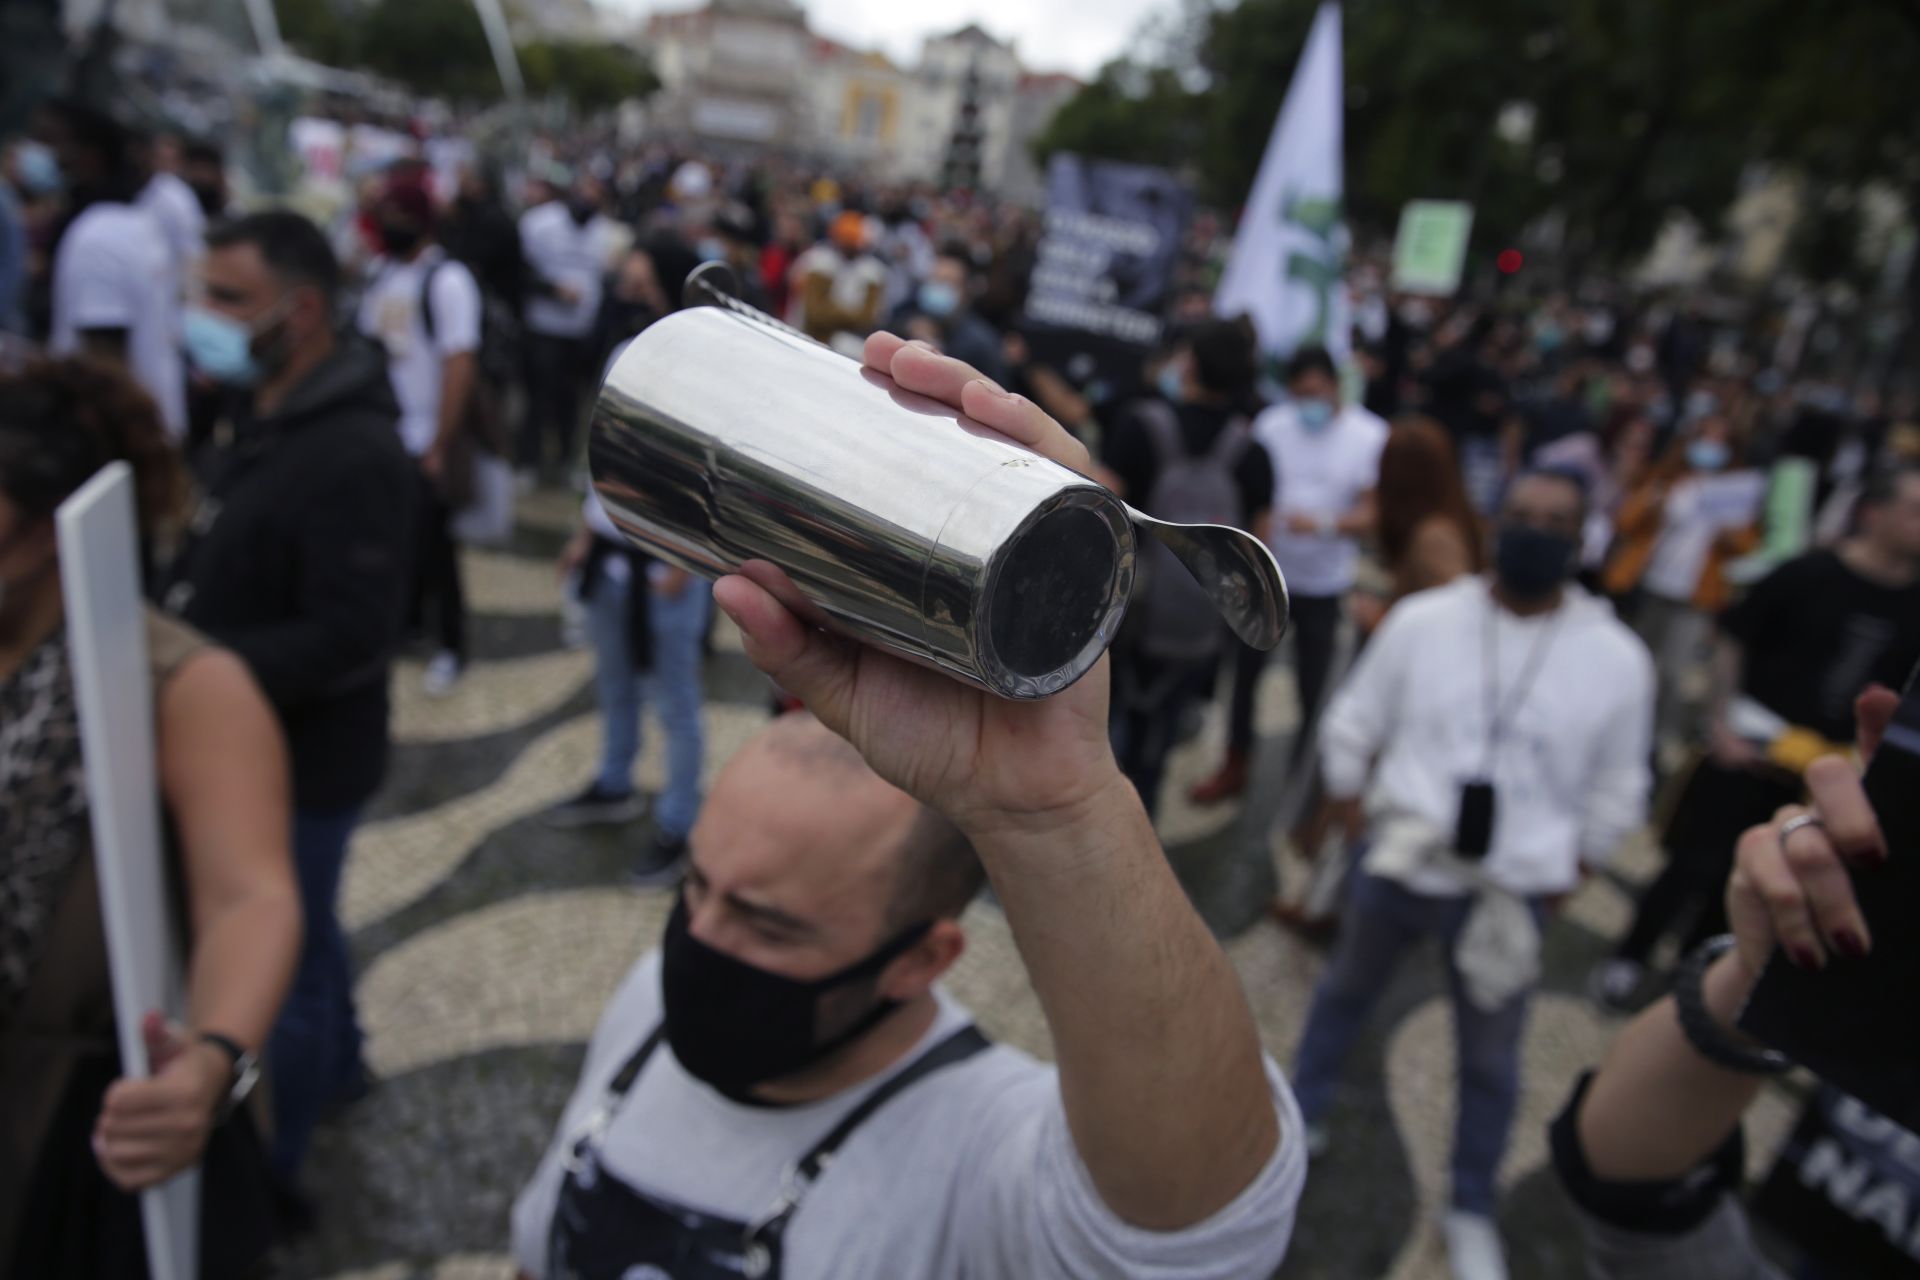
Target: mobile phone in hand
1854 1023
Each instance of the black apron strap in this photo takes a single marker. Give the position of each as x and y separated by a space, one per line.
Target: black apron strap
630 1070
764 1238
958 1047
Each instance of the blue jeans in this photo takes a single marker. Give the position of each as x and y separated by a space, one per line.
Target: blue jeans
673 687
1382 920
314 1050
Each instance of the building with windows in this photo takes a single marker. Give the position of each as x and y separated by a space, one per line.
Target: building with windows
858 102
964 86
749 72
731 73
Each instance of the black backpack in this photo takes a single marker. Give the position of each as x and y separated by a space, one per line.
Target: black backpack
1178 622
499 354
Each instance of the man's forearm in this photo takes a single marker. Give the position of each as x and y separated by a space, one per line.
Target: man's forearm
1160 1064
456 386
1359 519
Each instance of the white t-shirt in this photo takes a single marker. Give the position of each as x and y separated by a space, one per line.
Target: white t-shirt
562 251
970 1172
172 201
390 314
1570 775
113 270
1319 474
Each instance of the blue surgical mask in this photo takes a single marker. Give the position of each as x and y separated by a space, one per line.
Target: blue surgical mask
1315 414
938 298
712 250
37 168
220 347
1707 455
1172 384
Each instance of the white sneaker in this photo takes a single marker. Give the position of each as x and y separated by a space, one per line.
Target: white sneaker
442 674
1473 1246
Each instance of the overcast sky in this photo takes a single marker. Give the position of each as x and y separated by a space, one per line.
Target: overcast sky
1051 35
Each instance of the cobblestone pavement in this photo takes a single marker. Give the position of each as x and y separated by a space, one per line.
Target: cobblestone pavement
485 945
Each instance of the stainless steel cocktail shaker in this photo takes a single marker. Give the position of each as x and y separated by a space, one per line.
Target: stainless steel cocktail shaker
720 437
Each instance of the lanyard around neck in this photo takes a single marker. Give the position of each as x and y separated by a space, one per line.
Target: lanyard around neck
1500 719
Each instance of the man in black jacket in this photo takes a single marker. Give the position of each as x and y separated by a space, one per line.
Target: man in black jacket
298 560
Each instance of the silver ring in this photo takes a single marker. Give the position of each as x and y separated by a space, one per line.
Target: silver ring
1793 824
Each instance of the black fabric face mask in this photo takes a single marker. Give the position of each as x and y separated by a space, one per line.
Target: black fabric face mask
399 240
734 1025
1531 563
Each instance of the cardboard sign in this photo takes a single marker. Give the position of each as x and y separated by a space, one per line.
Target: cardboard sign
1846 1188
1102 269
113 692
1430 249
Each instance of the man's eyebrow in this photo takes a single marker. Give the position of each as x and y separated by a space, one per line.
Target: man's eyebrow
772 915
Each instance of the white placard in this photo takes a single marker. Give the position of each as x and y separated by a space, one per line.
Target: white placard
113 690
1731 500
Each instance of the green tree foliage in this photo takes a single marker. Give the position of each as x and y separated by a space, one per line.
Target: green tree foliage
439 47
594 77
436 46
316 28
1636 108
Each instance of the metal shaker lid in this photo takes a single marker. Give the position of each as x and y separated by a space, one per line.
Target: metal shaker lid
1055 593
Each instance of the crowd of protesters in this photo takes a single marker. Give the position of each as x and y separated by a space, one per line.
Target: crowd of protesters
1550 560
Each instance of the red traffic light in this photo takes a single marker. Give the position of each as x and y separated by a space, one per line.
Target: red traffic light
1509 261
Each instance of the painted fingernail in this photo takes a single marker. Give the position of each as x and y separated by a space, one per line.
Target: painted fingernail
1807 958
1850 943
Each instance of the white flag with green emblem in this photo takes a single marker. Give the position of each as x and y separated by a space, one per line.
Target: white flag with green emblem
1289 259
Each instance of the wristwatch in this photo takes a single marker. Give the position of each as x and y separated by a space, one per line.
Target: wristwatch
1708 1038
246 1073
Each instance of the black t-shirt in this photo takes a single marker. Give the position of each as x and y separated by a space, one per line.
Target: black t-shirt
1815 633
1129 451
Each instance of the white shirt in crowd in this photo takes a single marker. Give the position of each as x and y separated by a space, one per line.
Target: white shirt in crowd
1570 775
562 251
172 201
113 270
970 1172
390 314
1319 474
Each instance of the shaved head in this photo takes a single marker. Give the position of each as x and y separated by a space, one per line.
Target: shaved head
936 871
